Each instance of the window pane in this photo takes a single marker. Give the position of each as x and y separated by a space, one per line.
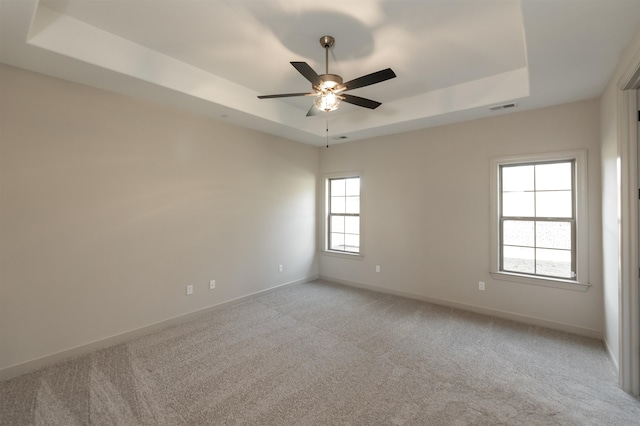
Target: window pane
517 178
518 259
337 187
554 204
352 225
352 243
553 176
344 210
553 235
352 186
353 205
337 205
337 223
337 241
518 233
537 213
556 263
518 204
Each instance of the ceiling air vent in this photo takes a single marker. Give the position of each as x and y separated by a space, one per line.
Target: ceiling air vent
505 106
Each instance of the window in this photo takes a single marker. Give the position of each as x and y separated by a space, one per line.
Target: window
537 219
343 214
539 211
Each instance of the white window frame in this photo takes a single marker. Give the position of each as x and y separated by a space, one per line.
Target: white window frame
581 282
325 215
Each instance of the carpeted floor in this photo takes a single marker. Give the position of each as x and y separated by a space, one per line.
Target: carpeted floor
324 354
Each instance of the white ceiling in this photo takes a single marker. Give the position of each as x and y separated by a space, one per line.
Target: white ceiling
453 58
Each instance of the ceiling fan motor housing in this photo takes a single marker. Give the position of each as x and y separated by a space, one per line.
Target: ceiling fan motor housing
329 81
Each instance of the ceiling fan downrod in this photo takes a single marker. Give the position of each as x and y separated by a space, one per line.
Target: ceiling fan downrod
327 42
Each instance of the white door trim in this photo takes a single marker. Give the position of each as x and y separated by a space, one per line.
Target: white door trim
629 366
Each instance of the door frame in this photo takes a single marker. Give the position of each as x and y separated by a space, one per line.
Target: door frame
629 240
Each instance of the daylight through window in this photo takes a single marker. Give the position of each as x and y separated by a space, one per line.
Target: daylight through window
344 214
537 219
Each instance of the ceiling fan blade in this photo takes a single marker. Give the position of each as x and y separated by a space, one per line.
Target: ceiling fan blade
308 72
368 79
285 95
313 111
357 100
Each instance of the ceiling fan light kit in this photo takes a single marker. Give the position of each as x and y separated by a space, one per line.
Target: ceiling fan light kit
328 89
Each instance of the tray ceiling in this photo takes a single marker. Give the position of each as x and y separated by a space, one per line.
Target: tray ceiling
453 59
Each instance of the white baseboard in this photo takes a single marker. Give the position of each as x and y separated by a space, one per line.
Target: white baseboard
613 359
24 367
574 329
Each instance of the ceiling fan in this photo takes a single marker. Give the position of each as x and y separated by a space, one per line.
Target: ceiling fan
328 89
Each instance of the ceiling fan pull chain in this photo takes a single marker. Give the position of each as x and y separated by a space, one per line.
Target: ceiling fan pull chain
327 118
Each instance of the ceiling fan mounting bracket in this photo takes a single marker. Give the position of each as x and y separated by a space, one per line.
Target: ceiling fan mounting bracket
327 42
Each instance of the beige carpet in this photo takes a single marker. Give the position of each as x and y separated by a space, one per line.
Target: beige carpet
321 354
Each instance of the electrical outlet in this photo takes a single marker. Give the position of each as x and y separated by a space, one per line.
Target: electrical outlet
189 290
212 284
377 268
280 268
481 285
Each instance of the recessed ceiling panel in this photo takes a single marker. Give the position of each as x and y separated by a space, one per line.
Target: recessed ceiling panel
453 59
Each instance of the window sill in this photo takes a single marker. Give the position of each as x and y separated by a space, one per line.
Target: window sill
342 255
544 282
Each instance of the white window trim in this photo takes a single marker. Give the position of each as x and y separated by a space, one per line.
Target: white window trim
324 240
582 224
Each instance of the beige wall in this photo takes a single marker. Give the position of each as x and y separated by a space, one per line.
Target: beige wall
425 213
110 206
